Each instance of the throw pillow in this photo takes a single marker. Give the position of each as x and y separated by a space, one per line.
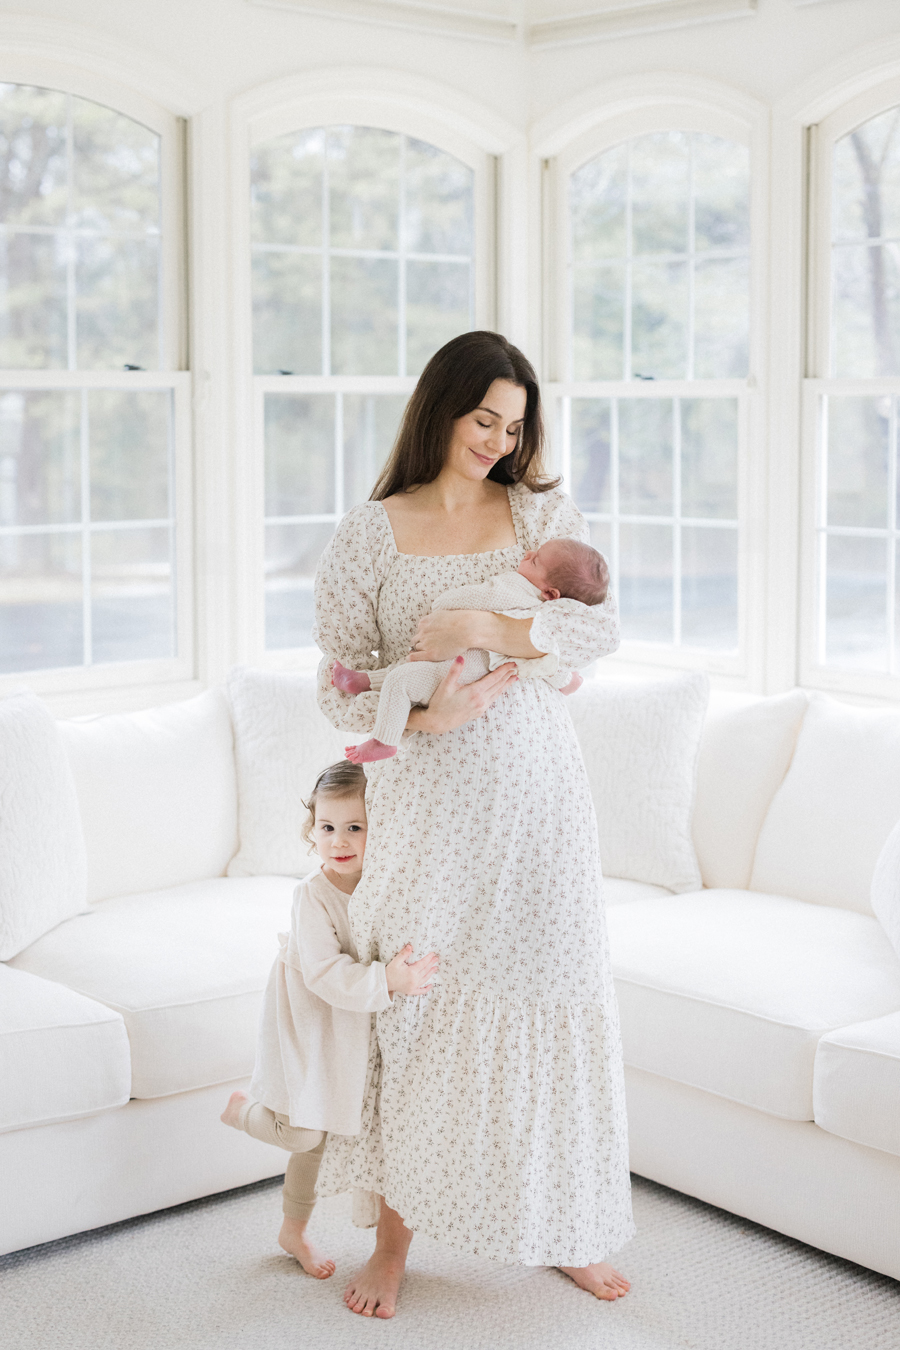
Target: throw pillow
640 743
282 743
886 888
43 870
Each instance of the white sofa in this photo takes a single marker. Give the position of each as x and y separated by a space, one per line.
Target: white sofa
760 1014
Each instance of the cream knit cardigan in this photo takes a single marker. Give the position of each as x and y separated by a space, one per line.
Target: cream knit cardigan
316 1018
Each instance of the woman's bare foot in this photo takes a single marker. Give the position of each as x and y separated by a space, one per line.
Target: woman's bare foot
369 751
351 681
373 1292
231 1114
599 1279
293 1240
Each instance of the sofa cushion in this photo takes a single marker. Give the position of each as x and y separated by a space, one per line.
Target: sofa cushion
834 810
885 892
282 743
42 857
744 755
61 1054
617 891
158 794
185 968
640 743
731 991
856 1089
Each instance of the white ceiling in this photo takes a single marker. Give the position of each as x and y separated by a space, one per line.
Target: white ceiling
536 22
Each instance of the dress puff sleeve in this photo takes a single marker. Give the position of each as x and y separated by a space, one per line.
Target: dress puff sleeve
576 633
348 580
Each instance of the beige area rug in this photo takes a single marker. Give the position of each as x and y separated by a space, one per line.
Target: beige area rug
209 1276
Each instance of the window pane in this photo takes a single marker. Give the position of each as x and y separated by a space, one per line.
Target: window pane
33 157
117 288
364 187
709 588
659 320
363 316
866 310
721 318
299 454
598 322
645 456
437 308
438 201
601 538
597 203
370 427
721 193
709 457
660 193
115 171
645 582
129 449
590 454
287 313
40 458
292 554
858 448
286 189
40 601
856 603
866 180
32 301
132 600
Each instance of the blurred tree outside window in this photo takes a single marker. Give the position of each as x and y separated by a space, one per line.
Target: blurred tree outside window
363 266
86 496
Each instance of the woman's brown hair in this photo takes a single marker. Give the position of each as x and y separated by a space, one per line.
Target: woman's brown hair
338 780
454 383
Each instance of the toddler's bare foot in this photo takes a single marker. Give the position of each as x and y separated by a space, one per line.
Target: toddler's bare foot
351 681
373 1292
293 1240
575 683
599 1279
232 1112
369 751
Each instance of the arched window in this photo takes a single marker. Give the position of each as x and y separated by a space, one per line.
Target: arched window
852 409
363 246
88 307
653 350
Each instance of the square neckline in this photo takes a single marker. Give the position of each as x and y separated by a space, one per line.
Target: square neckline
487 553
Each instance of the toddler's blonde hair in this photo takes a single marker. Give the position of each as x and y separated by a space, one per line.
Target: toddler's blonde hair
338 780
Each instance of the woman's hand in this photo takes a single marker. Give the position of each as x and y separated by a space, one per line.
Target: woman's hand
453 705
446 633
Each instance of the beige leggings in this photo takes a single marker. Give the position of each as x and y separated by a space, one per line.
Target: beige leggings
305 1147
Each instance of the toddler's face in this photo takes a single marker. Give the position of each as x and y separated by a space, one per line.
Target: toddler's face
340 833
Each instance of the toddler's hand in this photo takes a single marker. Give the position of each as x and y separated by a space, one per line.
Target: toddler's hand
410 978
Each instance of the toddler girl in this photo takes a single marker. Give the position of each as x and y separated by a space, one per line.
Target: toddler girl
317 1011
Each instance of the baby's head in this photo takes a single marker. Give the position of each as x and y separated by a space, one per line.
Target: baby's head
336 824
567 569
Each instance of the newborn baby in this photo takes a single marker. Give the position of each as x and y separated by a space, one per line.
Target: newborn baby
561 569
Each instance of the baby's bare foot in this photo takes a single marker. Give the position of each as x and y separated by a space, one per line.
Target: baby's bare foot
369 751
600 1279
373 1293
351 681
231 1114
575 683
293 1240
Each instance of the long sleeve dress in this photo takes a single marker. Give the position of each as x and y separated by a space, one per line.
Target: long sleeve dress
494 1116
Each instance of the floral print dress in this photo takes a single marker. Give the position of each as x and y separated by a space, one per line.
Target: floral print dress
494 1117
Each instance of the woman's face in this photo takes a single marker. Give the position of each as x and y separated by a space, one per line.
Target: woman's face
488 432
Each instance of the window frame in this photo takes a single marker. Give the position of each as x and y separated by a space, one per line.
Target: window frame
453 135
74 689
747 124
818 383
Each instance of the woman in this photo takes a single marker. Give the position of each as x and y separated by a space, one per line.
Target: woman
495 1111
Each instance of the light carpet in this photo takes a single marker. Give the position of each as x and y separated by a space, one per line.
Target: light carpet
209 1276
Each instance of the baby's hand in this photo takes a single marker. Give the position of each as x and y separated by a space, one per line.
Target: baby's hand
410 978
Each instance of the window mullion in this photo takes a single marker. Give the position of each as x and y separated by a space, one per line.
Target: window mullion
676 528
